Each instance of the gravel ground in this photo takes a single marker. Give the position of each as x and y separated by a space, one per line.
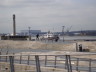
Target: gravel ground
39 46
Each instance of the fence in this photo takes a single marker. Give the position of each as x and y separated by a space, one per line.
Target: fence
66 62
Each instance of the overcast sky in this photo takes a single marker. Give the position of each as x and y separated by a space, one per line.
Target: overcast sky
48 15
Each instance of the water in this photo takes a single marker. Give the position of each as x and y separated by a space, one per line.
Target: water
73 37
77 37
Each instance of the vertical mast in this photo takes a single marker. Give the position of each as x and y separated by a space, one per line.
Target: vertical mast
14 25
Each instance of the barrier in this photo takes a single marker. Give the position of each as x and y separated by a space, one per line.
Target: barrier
67 62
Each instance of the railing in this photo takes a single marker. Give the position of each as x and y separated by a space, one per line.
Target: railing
66 62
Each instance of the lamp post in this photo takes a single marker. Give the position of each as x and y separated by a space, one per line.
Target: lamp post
29 30
29 33
63 32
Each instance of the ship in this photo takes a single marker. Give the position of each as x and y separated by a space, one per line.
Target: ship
50 36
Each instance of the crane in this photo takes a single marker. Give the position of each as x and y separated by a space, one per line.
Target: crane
68 29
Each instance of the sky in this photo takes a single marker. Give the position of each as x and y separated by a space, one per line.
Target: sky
48 15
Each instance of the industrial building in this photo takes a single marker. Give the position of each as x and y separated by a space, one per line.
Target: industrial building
30 32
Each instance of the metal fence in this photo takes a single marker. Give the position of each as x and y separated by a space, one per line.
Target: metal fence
71 62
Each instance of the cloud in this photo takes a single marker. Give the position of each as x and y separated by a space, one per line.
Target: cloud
10 2
49 13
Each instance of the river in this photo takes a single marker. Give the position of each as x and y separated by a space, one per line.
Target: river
78 37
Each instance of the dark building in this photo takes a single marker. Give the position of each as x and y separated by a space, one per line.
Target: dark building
30 32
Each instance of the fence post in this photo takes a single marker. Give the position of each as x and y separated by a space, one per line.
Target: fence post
68 63
65 62
28 59
37 63
89 65
0 56
6 56
76 47
45 60
11 58
77 64
55 62
70 66
20 58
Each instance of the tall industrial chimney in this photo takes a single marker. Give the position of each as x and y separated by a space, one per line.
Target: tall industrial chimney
14 25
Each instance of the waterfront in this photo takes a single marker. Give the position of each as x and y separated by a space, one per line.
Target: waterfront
78 37
69 44
71 37
49 47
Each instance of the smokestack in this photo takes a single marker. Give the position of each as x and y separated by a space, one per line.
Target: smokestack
14 26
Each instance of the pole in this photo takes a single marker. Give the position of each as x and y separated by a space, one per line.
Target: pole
89 65
37 63
68 63
63 32
14 25
29 33
11 58
29 30
76 47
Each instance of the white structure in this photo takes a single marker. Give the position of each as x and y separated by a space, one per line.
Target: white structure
50 36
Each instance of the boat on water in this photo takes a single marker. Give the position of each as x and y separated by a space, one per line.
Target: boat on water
50 36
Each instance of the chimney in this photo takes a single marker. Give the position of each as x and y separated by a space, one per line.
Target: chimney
14 26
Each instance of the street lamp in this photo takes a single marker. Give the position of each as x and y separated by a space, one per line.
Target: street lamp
63 32
29 30
29 33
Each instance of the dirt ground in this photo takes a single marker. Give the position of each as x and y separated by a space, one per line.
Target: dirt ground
49 46
59 47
